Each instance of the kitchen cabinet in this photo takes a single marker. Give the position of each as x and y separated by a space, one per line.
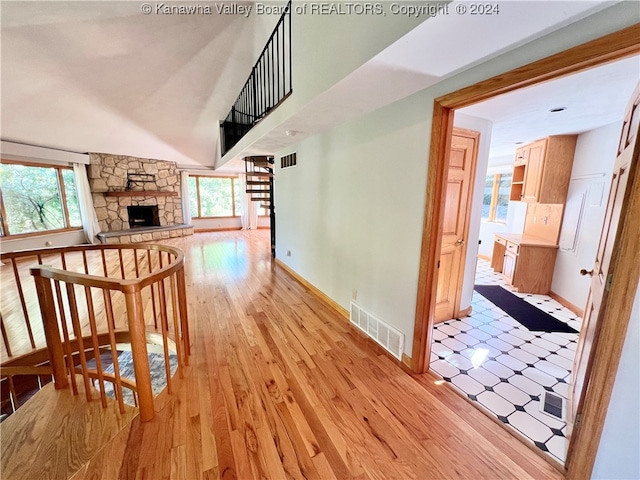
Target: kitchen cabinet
525 262
542 170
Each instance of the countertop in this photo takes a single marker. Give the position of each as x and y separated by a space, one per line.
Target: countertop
526 240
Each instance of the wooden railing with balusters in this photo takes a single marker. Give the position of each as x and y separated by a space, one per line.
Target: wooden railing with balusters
91 299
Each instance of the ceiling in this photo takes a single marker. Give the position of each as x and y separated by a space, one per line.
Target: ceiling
103 77
414 63
593 98
99 76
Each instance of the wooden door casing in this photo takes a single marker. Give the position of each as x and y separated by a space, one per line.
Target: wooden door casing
458 195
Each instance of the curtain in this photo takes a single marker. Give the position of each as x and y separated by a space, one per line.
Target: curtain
186 206
249 218
90 223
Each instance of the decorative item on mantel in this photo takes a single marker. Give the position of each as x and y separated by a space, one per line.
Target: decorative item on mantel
139 178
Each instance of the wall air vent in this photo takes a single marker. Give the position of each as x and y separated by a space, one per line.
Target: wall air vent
384 334
288 160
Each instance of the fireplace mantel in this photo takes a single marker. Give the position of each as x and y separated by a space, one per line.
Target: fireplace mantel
146 193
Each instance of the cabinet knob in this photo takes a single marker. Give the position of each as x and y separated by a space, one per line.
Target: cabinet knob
584 272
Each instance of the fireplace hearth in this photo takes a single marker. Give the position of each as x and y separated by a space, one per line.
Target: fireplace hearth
143 216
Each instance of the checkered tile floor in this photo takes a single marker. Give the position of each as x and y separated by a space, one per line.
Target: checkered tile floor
504 367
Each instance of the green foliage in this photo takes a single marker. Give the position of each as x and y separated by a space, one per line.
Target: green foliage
32 198
216 199
72 198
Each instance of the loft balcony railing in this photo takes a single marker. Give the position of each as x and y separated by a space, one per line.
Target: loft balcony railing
82 306
267 86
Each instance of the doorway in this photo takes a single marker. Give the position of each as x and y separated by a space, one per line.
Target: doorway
584 443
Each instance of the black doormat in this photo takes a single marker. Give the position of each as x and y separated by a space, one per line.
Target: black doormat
531 317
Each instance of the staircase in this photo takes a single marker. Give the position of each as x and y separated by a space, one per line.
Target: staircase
259 171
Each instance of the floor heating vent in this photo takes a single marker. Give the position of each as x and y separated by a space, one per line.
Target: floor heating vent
552 405
384 334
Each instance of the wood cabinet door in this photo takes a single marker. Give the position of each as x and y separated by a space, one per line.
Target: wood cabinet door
533 172
509 266
522 154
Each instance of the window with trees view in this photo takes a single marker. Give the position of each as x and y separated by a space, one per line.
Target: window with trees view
214 197
37 198
496 197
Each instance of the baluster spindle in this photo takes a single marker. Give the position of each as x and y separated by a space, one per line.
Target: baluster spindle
65 334
77 330
114 352
96 344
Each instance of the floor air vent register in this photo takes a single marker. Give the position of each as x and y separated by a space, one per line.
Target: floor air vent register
384 334
552 405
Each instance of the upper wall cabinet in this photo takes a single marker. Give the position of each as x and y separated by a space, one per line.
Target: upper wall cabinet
542 170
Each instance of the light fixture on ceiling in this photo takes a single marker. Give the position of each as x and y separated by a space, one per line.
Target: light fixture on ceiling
290 133
558 109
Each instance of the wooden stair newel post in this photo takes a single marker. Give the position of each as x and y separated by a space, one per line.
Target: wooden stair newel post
51 330
135 319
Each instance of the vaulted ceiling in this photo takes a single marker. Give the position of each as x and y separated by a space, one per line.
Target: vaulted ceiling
103 77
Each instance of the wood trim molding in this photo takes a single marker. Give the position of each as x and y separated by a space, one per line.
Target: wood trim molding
405 364
567 304
441 131
313 289
626 42
221 229
484 257
602 50
141 193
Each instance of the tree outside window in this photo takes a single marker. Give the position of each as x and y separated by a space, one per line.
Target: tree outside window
496 197
214 197
37 199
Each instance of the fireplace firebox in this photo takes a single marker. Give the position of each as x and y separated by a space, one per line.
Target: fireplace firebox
143 216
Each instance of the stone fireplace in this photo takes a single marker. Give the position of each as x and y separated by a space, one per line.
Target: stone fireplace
136 199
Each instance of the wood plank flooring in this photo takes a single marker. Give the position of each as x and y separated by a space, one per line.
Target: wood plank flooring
279 386
56 433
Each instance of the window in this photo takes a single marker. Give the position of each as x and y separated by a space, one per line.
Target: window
37 198
214 197
496 197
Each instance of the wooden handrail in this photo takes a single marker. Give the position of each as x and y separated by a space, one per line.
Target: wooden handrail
59 305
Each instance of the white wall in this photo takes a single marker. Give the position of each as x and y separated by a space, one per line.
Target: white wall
516 214
351 212
223 223
325 49
617 456
484 127
589 187
516 211
349 221
61 239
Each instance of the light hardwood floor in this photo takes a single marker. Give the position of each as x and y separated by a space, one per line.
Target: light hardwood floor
279 386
